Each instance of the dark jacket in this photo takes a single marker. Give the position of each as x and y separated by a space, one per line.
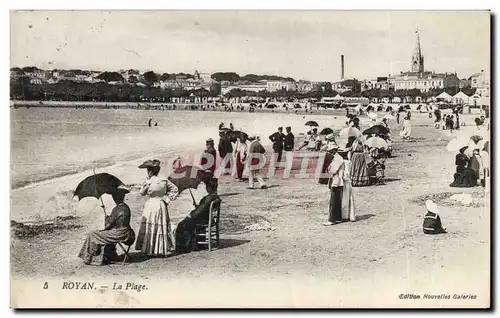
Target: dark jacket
202 211
461 160
289 142
119 217
225 147
277 138
184 233
432 224
204 161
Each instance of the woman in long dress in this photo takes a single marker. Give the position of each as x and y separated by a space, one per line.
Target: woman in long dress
348 212
406 132
155 235
359 172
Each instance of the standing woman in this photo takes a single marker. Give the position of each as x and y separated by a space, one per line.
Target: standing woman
359 172
155 236
406 132
348 213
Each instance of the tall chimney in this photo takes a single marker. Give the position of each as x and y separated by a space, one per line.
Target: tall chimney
342 67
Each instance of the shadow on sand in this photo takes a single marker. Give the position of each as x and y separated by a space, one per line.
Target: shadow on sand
229 194
138 257
391 179
226 243
364 217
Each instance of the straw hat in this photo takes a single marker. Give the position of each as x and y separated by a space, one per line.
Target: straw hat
330 137
431 206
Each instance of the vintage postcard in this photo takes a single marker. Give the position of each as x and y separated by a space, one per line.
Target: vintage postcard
250 159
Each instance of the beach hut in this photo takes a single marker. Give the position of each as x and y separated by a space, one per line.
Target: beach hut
460 98
444 96
338 98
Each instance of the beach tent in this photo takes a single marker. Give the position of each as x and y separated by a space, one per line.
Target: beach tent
424 108
460 98
444 96
380 108
388 109
396 100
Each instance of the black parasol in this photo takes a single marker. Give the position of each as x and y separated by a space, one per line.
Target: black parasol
96 185
238 134
189 177
312 123
326 131
376 130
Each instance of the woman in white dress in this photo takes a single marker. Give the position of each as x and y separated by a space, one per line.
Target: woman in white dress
406 132
155 234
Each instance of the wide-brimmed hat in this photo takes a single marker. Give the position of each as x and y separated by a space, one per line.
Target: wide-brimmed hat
431 206
150 164
122 189
252 138
331 147
210 141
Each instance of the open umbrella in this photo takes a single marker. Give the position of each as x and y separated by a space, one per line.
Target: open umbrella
238 134
97 185
376 130
326 131
376 142
312 123
372 115
350 132
458 143
189 177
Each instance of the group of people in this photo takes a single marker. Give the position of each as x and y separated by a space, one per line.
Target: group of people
157 236
472 166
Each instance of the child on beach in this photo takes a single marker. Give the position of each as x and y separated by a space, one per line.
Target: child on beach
432 221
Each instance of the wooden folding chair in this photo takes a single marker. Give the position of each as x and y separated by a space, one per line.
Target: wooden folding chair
128 243
208 233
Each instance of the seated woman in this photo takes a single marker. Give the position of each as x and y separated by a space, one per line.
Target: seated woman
464 177
376 166
359 171
117 229
185 240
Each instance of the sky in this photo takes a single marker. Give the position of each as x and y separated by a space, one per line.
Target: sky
301 44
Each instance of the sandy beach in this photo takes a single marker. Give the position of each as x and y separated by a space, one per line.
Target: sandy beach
370 262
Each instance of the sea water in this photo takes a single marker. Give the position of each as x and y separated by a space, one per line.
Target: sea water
51 142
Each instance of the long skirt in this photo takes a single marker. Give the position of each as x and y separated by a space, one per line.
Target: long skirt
464 178
335 210
348 202
155 234
359 173
96 239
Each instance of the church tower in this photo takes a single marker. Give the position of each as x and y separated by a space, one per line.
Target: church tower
417 59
